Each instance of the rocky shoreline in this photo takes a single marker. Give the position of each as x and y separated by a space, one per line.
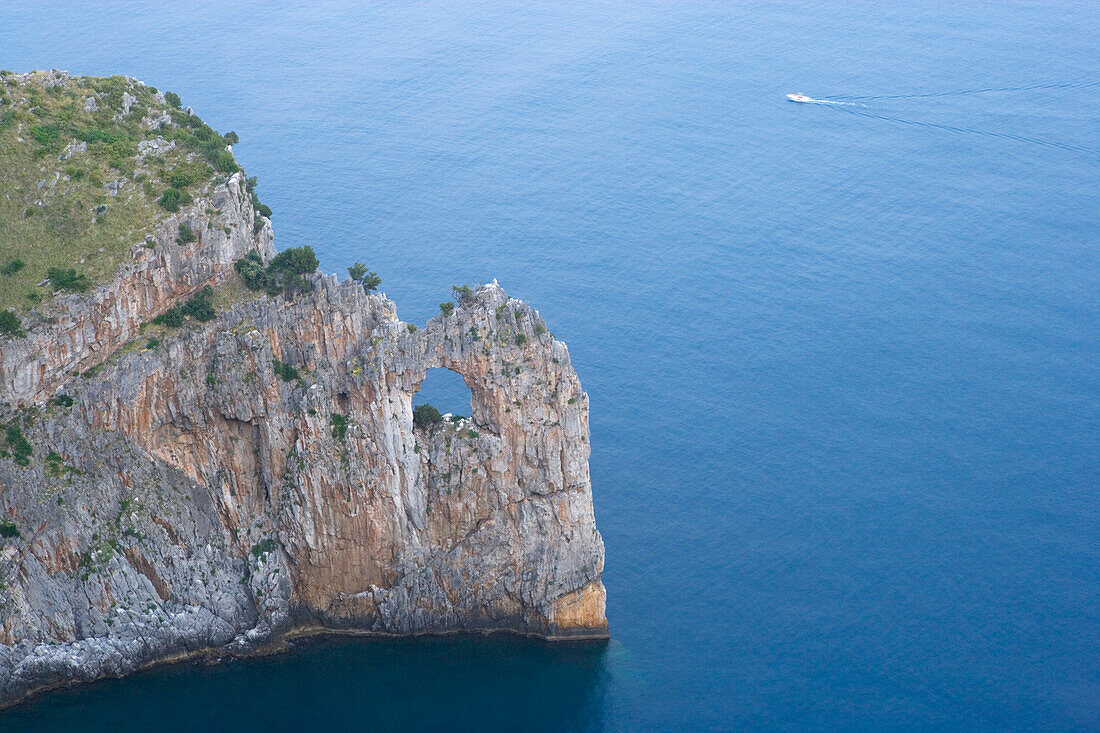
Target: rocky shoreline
258 476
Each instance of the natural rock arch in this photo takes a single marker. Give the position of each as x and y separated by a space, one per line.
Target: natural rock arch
446 390
265 504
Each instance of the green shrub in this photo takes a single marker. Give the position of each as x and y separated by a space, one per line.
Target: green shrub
260 209
461 293
231 138
285 273
540 329
424 415
101 135
152 344
10 325
226 163
18 445
339 425
186 235
286 371
62 400
120 153
296 260
12 267
9 530
194 135
471 433
446 309
172 318
198 307
521 339
173 99
361 274
263 547
181 177
55 464
46 135
252 271
67 279
173 198
412 327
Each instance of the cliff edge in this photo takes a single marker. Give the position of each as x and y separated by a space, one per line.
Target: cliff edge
193 466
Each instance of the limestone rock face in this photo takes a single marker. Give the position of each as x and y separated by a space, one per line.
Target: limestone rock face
160 273
200 496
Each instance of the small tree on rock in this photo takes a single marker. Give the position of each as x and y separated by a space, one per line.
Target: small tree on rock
10 325
424 415
67 279
367 278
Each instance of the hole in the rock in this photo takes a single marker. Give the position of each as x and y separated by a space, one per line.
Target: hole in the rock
446 391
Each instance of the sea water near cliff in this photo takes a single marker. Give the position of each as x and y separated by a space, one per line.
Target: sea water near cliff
844 370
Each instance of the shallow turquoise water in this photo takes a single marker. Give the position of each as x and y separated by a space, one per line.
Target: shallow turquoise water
843 369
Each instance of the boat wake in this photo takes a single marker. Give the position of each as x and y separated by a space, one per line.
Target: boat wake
974 131
846 103
962 92
802 98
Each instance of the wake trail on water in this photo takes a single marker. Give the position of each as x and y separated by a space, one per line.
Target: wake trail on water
833 101
974 131
961 92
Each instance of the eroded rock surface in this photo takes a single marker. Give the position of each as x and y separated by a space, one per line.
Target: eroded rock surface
89 328
192 498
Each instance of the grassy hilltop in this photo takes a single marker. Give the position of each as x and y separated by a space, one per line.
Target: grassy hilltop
87 165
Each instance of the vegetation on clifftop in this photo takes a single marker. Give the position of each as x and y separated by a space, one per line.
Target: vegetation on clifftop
79 184
367 278
88 166
11 325
284 274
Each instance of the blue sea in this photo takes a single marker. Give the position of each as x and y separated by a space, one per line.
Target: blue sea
843 359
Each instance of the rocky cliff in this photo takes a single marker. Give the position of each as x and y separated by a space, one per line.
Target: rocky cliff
233 481
87 329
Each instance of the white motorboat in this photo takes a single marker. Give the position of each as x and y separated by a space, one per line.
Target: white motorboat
799 98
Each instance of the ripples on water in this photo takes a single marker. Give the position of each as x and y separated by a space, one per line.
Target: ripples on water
843 370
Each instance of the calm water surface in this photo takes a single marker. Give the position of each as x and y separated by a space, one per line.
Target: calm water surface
844 364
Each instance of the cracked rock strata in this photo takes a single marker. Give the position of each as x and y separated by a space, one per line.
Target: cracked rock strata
160 273
199 501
